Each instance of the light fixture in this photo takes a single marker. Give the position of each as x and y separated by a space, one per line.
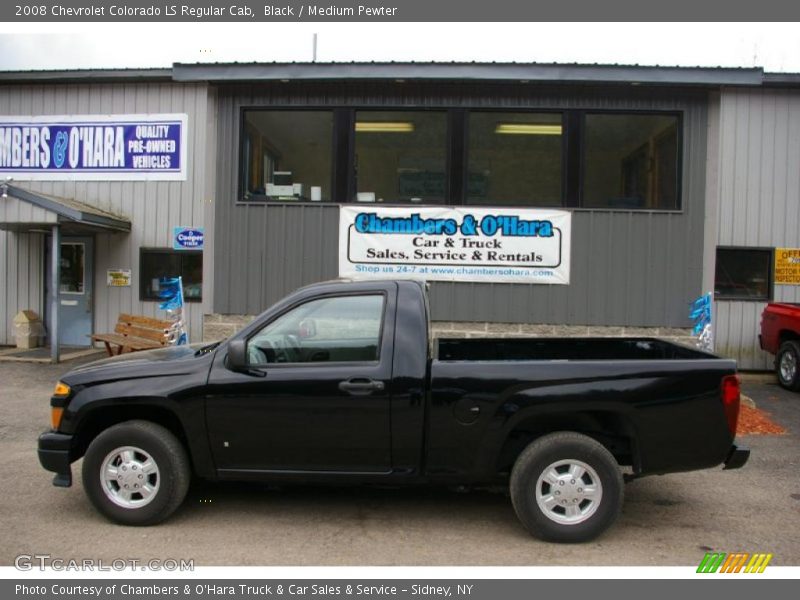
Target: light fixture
384 127
528 129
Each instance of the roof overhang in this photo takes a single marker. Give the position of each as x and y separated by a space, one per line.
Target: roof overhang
516 72
86 75
509 72
25 210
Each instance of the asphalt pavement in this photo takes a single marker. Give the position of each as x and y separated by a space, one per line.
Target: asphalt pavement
666 520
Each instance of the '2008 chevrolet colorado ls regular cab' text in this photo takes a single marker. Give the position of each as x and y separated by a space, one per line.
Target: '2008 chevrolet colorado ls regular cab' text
340 383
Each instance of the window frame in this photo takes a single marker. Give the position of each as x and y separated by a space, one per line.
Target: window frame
448 150
678 166
457 154
242 164
170 251
770 275
371 363
83 268
564 155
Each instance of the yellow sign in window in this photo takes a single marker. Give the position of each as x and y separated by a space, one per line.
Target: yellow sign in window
787 266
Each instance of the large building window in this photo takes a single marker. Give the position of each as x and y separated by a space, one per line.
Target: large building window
514 159
573 157
159 263
287 154
743 274
630 161
400 156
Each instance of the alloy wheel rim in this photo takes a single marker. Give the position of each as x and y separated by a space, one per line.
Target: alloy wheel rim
788 367
129 477
569 492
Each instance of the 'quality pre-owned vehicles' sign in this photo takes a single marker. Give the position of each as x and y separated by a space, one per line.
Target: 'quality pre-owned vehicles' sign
455 244
94 147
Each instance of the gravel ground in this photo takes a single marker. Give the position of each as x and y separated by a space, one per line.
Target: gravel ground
670 520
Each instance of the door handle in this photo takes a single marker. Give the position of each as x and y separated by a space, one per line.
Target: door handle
360 387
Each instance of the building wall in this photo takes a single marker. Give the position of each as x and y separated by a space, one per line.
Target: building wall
629 268
21 258
153 207
220 326
759 201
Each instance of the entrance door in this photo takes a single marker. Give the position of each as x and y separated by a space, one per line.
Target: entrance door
75 295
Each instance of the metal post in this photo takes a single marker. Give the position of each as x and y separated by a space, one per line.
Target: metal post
55 287
314 49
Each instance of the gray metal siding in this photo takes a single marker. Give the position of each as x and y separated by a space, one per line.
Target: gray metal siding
13 210
628 267
759 202
153 207
21 274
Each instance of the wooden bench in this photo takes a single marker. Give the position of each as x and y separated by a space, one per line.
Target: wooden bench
134 333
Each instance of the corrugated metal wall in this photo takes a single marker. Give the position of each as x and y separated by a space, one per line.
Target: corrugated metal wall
18 211
21 257
759 202
153 207
628 267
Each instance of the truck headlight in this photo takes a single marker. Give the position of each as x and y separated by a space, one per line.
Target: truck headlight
62 390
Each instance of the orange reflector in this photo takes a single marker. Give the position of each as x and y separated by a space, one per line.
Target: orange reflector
62 389
55 416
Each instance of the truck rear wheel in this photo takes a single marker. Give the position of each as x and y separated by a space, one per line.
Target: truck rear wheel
787 365
566 487
136 473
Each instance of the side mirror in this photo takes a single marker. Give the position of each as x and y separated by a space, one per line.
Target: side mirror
237 355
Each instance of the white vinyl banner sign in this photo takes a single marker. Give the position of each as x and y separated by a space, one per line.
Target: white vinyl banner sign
455 244
149 147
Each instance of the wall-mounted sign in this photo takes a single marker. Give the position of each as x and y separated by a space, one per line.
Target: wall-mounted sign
787 266
455 244
187 238
94 147
118 277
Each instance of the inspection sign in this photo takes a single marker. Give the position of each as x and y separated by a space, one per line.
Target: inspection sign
787 266
118 278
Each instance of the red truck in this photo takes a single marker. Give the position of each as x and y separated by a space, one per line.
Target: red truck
780 335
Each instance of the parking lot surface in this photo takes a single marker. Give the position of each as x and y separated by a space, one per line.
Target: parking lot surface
669 520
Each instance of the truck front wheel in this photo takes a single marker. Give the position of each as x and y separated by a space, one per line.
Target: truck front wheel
566 487
136 473
787 365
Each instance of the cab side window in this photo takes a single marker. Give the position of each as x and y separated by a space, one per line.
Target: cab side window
336 329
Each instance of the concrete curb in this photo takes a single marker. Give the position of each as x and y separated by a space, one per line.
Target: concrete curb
758 377
747 401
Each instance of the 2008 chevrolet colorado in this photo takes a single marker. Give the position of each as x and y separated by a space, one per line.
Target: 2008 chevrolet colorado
340 383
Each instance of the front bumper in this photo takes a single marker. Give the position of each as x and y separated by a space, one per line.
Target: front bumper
737 457
54 455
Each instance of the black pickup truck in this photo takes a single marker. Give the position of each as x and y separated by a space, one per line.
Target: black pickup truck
340 383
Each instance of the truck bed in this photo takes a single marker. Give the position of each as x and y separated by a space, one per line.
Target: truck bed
518 349
666 396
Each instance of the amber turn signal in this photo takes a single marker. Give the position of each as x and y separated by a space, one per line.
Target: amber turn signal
62 389
55 416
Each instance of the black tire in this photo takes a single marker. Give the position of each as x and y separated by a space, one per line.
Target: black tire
787 365
139 441
595 512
